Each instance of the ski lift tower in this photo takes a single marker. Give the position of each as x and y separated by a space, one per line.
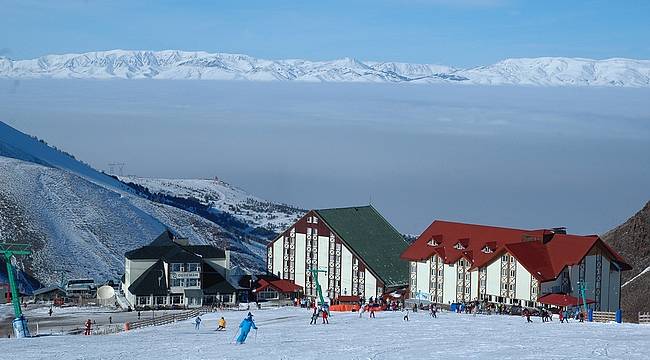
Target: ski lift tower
583 287
319 291
9 251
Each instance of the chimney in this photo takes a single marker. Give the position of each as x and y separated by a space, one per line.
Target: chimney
548 234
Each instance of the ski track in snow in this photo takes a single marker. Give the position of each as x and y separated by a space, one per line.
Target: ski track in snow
636 277
286 334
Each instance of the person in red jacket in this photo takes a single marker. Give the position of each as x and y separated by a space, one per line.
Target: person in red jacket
88 327
325 315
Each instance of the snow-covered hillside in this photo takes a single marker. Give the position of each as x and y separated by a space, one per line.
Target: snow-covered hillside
227 198
84 229
174 64
81 222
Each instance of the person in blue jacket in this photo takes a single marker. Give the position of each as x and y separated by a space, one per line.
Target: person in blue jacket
245 328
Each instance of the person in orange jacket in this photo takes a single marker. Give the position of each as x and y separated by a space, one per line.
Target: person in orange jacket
222 324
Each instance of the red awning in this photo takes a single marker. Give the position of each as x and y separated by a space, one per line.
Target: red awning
349 298
562 300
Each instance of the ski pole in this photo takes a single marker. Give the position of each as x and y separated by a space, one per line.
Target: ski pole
233 338
255 335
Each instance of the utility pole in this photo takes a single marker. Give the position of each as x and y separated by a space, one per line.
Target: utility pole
9 251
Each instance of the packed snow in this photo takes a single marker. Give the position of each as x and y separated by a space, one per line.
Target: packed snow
227 198
286 334
174 64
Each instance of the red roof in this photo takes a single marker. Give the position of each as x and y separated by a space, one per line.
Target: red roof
283 286
543 260
562 300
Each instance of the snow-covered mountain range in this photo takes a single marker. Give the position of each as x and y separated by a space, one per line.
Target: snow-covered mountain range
225 197
174 64
80 222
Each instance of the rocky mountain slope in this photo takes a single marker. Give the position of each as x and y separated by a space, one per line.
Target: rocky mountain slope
632 240
221 196
174 64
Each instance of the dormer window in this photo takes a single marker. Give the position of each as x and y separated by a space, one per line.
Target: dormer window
433 242
487 250
459 246
312 220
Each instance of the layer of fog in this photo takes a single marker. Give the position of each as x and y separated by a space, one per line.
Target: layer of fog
512 156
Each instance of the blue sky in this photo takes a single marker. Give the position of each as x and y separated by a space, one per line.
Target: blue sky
453 32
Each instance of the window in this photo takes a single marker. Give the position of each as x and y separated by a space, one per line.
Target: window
466 290
512 272
467 276
505 286
440 273
440 286
460 276
512 286
143 300
504 272
534 290
193 267
314 220
177 267
191 282
512 259
225 298
504 258
178 282
161 300
461 262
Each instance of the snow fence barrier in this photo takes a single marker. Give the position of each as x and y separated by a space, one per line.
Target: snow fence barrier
163 320
644 318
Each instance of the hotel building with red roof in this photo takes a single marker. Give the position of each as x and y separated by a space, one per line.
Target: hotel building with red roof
457 262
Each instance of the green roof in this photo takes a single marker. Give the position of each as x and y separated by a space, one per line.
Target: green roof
373 239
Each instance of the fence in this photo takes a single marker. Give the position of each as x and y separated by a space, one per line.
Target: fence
164 319
644 318
604 316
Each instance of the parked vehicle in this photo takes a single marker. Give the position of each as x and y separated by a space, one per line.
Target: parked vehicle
81 288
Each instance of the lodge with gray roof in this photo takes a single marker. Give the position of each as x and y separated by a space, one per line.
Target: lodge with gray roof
170 272
357 248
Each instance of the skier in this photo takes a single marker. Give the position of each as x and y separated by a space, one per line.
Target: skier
110 319
197 323
434 311
88 327
325 315
561 314
314 316
372 310
245 328
362 310
527 315
406 317
222 324
582 316
50 312
138 314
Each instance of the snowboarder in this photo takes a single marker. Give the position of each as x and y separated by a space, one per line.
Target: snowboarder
245 328
222 324
88 327
197 322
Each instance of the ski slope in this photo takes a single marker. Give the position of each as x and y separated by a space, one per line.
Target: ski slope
286 334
